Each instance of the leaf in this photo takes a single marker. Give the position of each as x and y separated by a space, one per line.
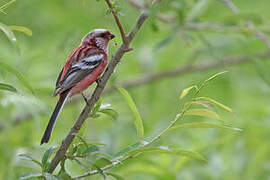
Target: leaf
216 102
197 10
100 171
214 76
166 150
22 29
5 6
49 176
201 125
27 157
81 139
110 112
160 45
201 103
97 106
9 33
7 87
90 149
116 176
30 175
204 113
46 156
138 120
186 91
128 149
13 71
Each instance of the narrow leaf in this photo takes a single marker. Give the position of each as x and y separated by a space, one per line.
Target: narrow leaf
201 103
22 29
116 176
138 120
5 6
7 87
46 157
203 112
214 76
8 33
110 112
13 71
177 151
215 102
30 175
201 125
198 10
128 149
27 157
49 176
186 91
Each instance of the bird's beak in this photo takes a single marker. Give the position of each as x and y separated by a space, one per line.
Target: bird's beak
111 36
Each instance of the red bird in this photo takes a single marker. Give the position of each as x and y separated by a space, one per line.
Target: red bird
82 68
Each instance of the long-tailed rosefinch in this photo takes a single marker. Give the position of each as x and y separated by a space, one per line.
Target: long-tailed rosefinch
83 67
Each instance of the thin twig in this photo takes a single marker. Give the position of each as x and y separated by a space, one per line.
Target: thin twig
257 33
97 92
117 20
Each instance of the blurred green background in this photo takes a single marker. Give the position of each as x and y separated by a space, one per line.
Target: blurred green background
58 27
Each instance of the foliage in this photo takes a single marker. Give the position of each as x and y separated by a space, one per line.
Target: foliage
148 130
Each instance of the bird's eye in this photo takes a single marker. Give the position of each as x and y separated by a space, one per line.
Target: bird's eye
103 35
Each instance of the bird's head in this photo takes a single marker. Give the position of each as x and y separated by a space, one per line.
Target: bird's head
100 37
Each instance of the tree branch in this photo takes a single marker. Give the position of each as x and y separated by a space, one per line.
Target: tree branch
98 90
117 20
257 33
227 61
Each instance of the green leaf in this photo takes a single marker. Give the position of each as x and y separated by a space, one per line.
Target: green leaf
202 125
110 112
166 150
128 149
186 91
90 149
201 103
22 29
96 107
46 157
138 120
27 157
197 10
215 102
30 175
164 42
5 6
9 34
13 71
49 176
7 87
116 176
215 76
81 139
205 113
100 171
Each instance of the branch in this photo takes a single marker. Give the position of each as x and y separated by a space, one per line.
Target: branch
227 61
98 90
115 15
257 33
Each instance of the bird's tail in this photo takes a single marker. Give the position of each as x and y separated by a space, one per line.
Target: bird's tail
58 108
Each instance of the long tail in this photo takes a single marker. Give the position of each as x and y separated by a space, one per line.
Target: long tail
58 108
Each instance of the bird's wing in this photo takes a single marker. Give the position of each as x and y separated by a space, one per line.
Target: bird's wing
78 71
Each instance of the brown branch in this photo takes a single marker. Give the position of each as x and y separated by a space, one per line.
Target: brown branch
117 20
227 61
97 92
257 33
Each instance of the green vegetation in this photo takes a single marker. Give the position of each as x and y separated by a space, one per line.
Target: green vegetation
190 101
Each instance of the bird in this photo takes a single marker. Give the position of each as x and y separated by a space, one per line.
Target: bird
82 68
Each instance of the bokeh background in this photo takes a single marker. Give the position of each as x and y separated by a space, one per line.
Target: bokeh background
58 27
